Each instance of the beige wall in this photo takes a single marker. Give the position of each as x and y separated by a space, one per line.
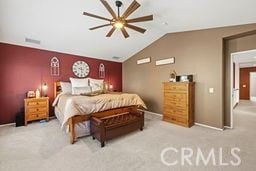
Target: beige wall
232 46
196 52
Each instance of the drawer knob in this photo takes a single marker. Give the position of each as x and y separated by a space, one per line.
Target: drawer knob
37 103
37 109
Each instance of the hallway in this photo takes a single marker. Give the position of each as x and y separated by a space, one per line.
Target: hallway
245 111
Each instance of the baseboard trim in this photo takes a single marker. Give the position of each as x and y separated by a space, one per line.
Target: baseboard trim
52 117
152 113
207 126
235 105
227 127
10 124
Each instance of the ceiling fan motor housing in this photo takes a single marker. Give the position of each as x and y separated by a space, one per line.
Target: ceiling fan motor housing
119 3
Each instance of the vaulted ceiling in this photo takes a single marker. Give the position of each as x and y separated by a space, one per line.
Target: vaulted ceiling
60 26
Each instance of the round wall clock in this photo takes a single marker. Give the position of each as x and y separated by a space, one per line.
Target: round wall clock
81 69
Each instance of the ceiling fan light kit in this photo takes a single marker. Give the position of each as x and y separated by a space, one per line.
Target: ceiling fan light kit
121 22
118 24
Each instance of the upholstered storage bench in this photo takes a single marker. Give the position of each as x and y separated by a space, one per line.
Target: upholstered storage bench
109 127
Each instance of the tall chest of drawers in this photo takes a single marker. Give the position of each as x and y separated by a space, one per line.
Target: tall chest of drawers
179 103
36 108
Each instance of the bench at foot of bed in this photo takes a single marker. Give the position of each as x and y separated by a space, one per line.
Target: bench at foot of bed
109 127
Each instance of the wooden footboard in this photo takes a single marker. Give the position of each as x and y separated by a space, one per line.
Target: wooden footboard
81 118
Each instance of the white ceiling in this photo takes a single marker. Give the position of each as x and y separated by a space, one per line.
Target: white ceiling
245 59
247 65
60 25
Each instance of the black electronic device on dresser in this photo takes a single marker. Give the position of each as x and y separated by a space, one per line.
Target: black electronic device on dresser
184 78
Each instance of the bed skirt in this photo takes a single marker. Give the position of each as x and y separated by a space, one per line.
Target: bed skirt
81 129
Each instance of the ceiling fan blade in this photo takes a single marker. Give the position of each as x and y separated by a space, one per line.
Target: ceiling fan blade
134 5
139 29
140 19
93 28
111 32
126 35
110 10
96 16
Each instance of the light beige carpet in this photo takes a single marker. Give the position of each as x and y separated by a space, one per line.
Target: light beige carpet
45 147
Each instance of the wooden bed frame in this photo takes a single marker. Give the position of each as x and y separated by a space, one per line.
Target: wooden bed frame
81 118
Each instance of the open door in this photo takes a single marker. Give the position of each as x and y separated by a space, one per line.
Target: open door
253 86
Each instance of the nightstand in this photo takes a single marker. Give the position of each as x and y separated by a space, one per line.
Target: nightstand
36 109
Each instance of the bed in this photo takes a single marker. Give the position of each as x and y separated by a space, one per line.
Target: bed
74 112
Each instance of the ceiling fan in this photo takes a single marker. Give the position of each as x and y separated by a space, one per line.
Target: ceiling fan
120 21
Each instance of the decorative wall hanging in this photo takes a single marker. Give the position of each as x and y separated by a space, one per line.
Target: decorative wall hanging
101 71
143 61
55 66
165 61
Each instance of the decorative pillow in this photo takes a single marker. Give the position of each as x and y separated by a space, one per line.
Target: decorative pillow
93 93
66 87
96 84
75 82
81 90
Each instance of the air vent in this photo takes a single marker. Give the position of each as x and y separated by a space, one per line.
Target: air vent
38 42
116 58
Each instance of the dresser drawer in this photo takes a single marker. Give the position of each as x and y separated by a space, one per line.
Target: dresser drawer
37 110
175 119
32 117
173 98
176 88
37 103
176 112
173 104
175 95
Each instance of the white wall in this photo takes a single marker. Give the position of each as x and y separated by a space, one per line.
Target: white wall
253 86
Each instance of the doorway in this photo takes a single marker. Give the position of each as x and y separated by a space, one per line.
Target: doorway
253 86
243 83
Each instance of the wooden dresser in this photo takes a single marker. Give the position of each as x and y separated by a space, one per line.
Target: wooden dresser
36 108
179 103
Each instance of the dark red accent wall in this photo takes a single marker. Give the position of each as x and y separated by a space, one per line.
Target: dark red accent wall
24 69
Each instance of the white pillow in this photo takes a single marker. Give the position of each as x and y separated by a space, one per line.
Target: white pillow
66 87
75 82
96 84
81 90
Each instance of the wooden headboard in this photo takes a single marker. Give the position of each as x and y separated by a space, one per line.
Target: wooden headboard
57 89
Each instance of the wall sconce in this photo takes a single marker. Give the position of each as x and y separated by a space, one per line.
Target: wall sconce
44 90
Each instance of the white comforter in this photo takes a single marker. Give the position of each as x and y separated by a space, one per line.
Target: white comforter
70 105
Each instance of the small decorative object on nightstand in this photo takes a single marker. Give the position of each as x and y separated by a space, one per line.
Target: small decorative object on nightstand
36 109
